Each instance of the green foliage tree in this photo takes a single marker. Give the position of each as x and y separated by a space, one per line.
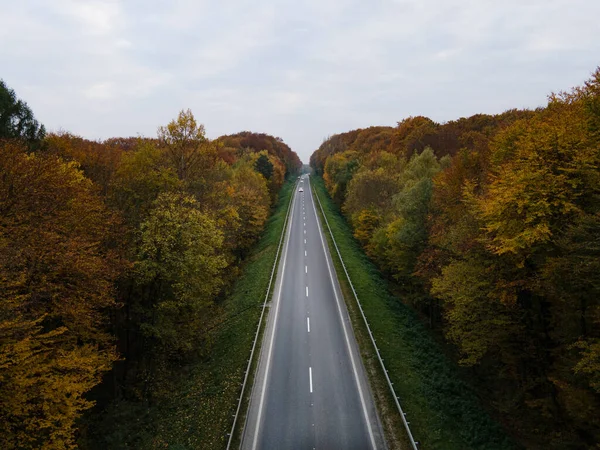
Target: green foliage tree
143 174
407 234
339 170
264 166
16 118
180 263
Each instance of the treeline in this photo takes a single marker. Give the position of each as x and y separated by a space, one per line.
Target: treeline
489 226
114 258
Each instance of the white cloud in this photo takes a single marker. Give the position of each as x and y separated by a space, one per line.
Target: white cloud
287 102
123 43
100 91
299 70
96 17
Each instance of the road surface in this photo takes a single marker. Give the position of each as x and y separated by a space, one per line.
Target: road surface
310 389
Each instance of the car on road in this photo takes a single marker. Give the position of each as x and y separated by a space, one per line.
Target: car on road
300 190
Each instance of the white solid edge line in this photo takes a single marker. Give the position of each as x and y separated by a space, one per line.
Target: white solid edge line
308 324
310 378
360 392
264 386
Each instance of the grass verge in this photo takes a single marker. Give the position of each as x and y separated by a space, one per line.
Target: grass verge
199 413
443 410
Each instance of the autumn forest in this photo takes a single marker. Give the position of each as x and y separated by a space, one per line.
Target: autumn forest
116 256
489 227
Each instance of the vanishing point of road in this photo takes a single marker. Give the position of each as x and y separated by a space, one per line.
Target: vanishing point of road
310 389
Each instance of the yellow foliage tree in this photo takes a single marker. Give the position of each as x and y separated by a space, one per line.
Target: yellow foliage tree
56 278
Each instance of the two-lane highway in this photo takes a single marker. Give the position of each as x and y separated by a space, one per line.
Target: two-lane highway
310 390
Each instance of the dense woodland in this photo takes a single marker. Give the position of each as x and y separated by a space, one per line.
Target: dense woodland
114 258
489 226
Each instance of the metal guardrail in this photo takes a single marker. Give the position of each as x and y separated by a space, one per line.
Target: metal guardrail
260 320
385 371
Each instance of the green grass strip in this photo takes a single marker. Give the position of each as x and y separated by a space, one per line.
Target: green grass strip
443 410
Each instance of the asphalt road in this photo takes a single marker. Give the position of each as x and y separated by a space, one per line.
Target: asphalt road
310 390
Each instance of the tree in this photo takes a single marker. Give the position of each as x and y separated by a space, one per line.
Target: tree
274 147
414 134
365 223
250 198
545 170
272 169
16 118
143 174
180 263
502 239
408 234
184 140
98 160
478 323
264 166
57 273
371 189
339 170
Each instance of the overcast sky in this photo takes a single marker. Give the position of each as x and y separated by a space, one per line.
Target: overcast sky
300 70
